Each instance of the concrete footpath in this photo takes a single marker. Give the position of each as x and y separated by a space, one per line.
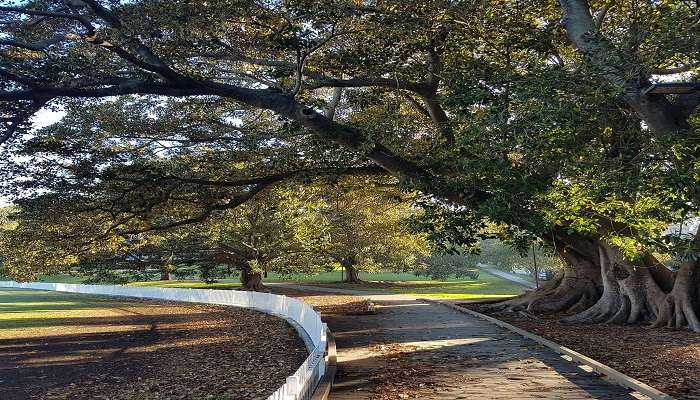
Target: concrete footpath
446 354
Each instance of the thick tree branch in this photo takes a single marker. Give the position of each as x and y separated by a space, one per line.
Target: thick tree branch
269 179
320 81
41 12
439 117
269 99
202 216
688 104
416 104
21 117
104 13
655 110
125 87
672 71
333 103
430 97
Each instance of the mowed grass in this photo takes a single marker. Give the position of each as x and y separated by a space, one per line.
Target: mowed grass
47 312
486 287
323 277
188 284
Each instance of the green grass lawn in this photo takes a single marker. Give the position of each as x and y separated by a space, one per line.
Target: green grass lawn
37 309
486 287
63 278
188 284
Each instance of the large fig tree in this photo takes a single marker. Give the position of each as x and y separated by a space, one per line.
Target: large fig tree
538 116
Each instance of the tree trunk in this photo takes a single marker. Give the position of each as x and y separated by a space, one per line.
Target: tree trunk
574 289
680 307
352 275
252 280
630 293
599 286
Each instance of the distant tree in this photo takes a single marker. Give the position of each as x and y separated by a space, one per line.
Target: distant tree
359 223
441 266
368 226
271 232
504 256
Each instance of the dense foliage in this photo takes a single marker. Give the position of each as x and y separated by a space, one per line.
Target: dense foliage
538 117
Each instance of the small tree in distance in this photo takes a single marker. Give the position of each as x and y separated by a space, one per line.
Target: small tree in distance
367 227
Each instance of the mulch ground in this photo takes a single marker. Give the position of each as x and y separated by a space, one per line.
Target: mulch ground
668 360
328 303
151 350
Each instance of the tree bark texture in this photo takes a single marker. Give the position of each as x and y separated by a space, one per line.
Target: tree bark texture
598 285
352 275
251 280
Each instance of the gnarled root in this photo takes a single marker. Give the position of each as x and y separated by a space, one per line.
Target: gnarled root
569 291
568 297
679 307
599 285
630 294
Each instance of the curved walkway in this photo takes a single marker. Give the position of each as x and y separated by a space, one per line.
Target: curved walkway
435 352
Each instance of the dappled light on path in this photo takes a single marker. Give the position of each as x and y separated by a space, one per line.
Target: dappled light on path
410 349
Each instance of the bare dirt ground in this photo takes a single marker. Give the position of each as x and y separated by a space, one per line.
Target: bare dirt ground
146 350
668 360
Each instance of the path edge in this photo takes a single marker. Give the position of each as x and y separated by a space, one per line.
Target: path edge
613 374
324 387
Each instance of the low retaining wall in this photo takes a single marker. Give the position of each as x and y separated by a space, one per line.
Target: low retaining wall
299 386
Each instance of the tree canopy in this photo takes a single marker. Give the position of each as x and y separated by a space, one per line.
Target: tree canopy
536 116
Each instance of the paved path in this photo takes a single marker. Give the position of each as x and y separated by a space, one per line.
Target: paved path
507 276
456 356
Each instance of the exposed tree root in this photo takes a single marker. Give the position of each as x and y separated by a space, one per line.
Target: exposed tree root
679 307
564 297
576 288
630 294
611 290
